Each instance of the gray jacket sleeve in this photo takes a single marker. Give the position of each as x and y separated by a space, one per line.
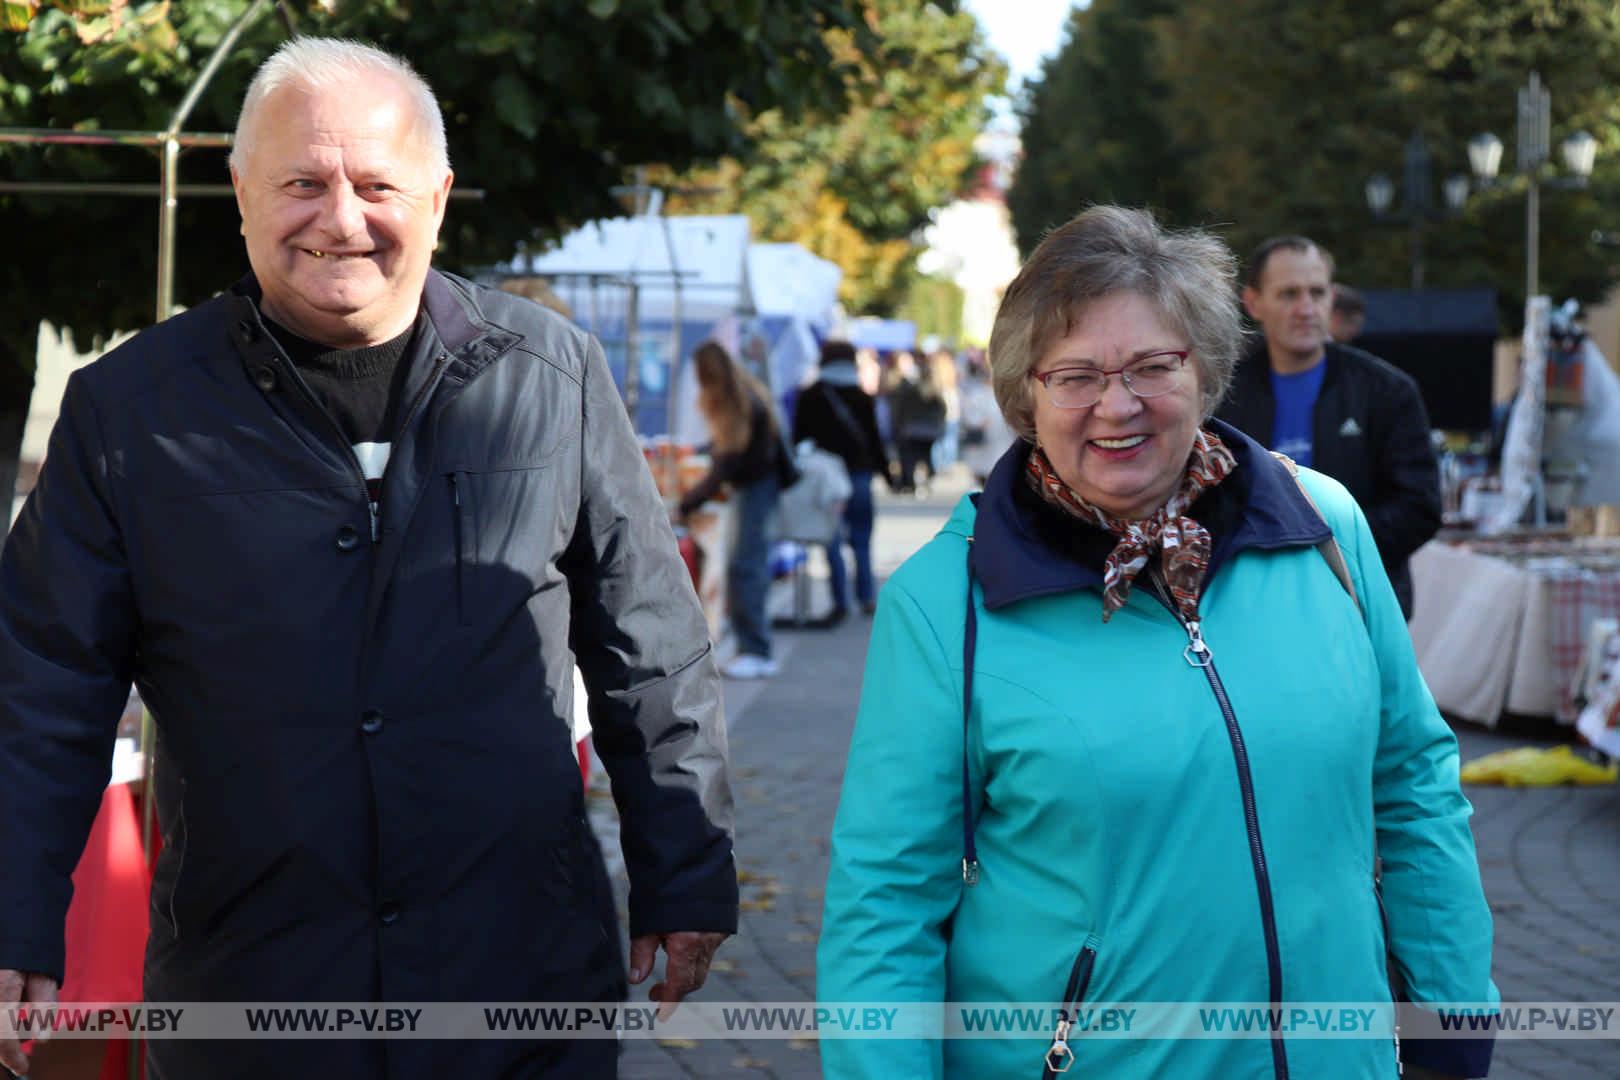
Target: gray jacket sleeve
641 643
67 632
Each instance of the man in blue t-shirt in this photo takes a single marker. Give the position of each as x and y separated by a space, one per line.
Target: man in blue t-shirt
1336 409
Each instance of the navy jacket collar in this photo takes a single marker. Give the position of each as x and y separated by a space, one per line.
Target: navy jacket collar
1023 548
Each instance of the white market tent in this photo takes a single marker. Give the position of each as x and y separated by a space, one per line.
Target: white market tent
656 287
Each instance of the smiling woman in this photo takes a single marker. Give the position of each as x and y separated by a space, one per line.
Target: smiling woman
341 195
1125 684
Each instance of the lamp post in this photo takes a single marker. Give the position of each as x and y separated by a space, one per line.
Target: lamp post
1418 206
1579 152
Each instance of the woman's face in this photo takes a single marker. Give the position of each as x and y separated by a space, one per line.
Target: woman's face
1125 454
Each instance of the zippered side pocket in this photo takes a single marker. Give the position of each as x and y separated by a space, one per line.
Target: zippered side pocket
1059 1057
462 526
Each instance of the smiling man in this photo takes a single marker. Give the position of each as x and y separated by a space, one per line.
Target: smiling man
349 527
1336 409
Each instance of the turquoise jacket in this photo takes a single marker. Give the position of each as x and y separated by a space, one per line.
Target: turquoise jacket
1140 840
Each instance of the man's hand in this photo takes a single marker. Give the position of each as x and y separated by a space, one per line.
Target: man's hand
18 988
688 955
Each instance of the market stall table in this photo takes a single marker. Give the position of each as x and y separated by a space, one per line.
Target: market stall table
1501 625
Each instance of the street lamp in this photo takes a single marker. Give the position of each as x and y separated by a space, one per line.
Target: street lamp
1418 207
1579 152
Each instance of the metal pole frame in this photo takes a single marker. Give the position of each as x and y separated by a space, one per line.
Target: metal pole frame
170 140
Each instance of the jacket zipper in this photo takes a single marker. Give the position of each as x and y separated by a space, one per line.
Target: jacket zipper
373 509
180 867
1058 1056
1198 654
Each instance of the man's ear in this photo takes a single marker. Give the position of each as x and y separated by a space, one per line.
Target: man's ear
442 197
1250 296
241 212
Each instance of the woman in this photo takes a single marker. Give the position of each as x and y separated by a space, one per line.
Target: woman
836 412
1188 735
746 449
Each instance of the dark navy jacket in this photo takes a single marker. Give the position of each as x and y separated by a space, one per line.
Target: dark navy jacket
366 780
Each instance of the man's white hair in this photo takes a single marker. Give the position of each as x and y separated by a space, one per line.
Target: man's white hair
318 63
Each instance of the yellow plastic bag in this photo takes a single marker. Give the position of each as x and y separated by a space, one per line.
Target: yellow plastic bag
1530 766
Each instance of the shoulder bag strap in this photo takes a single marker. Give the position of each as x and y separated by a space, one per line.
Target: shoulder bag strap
1329 547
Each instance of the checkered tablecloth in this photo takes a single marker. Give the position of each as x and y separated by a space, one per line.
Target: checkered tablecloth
1577 596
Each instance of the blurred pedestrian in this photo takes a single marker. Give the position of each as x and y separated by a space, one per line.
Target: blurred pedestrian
1349 314
838 415
985 435
748 458
1136 723
349 525
942 365
919 419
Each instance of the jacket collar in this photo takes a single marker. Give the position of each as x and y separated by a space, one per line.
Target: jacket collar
1018 554
466 340
1255 369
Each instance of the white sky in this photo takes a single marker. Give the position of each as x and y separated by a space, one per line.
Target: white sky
1023 31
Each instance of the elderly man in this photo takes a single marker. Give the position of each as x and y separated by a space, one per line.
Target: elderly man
349 526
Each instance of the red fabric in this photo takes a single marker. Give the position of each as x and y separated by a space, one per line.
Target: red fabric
584 762
692 556
106 922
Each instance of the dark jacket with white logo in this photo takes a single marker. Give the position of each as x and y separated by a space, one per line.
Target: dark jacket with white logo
1371 433
366 781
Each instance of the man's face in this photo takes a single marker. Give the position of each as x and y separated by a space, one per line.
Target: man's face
1291 304
341 208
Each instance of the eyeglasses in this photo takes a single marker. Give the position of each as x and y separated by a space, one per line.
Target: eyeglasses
1082 387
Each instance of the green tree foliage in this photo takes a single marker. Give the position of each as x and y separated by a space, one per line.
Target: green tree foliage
1094 124
1278 112
546 102
855 186
935 305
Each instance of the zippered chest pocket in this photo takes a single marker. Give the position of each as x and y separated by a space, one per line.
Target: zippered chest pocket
504 532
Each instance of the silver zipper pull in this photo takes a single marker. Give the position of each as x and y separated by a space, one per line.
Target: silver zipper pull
376 520
1196 653
970 871
1058 1056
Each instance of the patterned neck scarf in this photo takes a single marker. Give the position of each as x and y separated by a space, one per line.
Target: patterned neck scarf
1183 544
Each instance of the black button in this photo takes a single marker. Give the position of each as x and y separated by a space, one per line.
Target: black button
248 330
371 721
388 913
348 538
265 378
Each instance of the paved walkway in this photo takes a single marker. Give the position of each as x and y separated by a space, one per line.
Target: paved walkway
1551 858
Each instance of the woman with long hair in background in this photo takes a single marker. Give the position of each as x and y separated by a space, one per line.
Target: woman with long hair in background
747 457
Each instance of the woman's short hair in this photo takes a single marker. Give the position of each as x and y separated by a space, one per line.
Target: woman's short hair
318 63
1189 276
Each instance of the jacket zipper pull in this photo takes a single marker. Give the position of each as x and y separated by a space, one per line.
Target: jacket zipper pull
1059 1057
1196 653
376 520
